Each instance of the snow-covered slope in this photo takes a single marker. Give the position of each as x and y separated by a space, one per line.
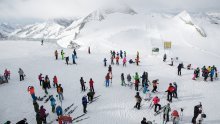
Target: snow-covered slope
5 30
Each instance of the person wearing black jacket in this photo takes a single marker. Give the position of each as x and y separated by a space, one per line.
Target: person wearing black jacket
197 111
24 121
180 66
138 99
82 82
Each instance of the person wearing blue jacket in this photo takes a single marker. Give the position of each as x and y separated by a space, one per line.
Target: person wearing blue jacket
74 58
84 103
145 90
53 103
212 72
59 111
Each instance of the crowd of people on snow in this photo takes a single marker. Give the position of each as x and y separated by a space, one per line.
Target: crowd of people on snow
135 80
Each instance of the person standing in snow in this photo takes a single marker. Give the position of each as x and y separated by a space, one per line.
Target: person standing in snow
55 81
105 60
40 78
117 60
166 112
38 119
137 61
31 91
62 54
74 58
107 79
144 78
42 42
124 61
136 81
156 101
122 79
44 85
121 54
197 111
67 60
216 72
138 101
56 54
47 80
90 95
179 69
74 52
53 103
170 92
60 92
7 74
112 60
124 53
205 74
89 50
23 121
110 69
59 111
129 78
43 114
175 117
21 74
84 103
164 57
175 90
155 82
212 72
91 83
36 106
82 82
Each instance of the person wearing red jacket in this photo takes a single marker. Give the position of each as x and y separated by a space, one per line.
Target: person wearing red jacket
170 92
156 101
91 82
31 91
55 81
175 117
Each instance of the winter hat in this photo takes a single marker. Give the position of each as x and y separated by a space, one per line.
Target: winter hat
170 84
144 119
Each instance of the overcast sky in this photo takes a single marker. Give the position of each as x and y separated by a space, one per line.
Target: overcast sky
44 9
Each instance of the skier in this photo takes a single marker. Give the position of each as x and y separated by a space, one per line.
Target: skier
59 111
166 112
156 101
82 82
60 92
205 74
110 69
53 103
144 121
145 90
43 115
105 60
155 82
164 57
138 99
124 61
212 72
21 74
170 92
124 53
197 72
74 52
24 121
56 54
136 81
121 54
74 59
107 79
117 60
38 119
203 70
62 54
129 78
175 90
175 117
90 95
31 91
171 64
122 79
189 66
42 42
112 60
215 69
40 78
84 103
36 106
47 81
197 111
55 81
144 78
179 69
91 82
44 85
89 50
67 60
137 61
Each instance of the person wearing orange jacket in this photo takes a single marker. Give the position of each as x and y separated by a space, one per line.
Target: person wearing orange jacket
55 81
31 91
91 82
170 92
156 101
117 60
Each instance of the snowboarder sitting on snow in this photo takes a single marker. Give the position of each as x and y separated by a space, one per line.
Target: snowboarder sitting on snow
24 121
53 103
166 112
82 82
138 99
84 103
131 61
21 74
31 91
197 111
90 95
175 117
156 101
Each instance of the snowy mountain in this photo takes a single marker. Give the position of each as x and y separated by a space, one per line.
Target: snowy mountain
5 30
